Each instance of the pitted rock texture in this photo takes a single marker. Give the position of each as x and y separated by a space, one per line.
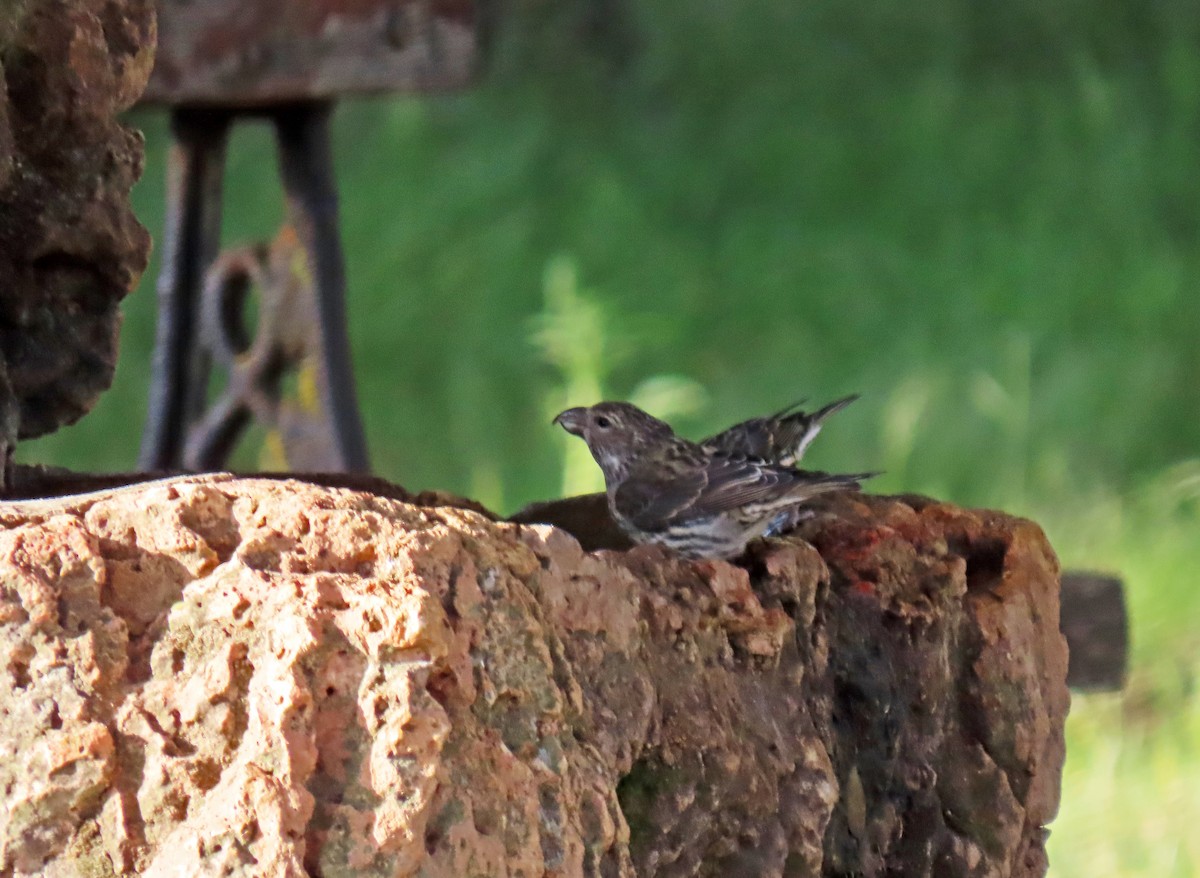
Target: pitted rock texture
70 246
247 677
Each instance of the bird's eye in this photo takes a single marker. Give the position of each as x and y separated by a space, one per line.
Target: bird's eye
603 423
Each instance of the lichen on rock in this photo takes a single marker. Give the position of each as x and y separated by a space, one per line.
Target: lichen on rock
251 677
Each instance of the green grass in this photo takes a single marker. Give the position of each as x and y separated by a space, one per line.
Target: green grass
1129 790
984 218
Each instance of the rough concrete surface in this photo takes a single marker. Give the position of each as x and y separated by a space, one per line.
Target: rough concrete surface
217 676
70 245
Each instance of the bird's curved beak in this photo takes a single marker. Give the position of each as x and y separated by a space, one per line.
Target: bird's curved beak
572 420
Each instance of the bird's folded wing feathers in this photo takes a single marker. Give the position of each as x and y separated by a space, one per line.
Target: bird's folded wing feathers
733 483
781 438
652 500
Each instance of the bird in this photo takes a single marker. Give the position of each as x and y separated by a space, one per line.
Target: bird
700 502
781 438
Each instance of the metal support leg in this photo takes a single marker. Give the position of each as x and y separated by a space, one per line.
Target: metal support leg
191 238
306 163
184 429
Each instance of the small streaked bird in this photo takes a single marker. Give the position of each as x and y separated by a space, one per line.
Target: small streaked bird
781 438
700 502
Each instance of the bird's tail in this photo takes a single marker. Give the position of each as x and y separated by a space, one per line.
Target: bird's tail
797 430
836 406
792 411
816 483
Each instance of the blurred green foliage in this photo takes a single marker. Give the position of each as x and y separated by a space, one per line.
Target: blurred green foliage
984 217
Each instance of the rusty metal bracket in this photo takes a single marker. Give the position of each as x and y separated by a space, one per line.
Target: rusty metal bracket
220 61
303 328
285 344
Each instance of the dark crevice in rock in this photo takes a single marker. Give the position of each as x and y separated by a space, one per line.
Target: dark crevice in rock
985 563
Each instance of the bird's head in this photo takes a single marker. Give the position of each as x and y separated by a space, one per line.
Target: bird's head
617 433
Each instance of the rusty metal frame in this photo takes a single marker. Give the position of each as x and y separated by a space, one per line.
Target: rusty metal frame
191 240
220 61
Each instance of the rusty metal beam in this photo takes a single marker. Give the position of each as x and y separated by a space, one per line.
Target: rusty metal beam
240 53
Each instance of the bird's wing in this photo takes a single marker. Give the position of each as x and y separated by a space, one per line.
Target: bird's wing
734 482
792 409
752 437
653 497
795 432
656 497
836 406
746 438
781 438
740 483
